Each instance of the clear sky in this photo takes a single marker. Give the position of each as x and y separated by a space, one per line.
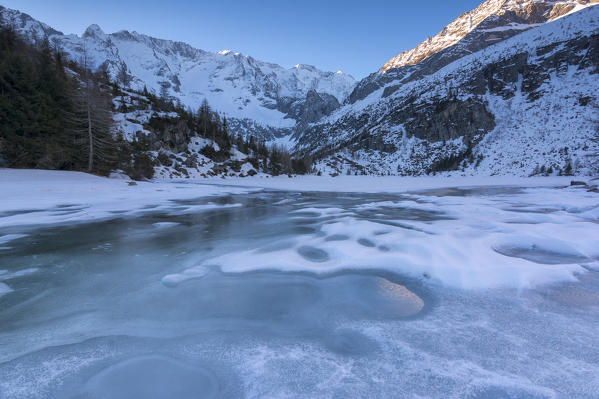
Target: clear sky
356 36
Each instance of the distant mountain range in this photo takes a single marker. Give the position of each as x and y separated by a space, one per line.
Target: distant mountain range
508 88
259 95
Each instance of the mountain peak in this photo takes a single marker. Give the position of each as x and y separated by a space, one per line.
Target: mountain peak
506 16
94 31
305 67
250 91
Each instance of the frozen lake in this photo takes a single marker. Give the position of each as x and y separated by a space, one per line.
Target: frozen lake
446 293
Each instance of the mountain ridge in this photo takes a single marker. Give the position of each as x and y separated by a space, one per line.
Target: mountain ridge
492 22
531 13
246 90
536 89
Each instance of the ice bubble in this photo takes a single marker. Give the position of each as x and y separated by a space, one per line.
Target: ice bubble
350 343
313 254
541 250
152 377
337 237
173 280
366 242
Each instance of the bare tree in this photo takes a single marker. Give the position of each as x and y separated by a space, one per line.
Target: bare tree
91 117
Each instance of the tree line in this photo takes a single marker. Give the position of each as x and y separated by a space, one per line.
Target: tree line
209 124
55 114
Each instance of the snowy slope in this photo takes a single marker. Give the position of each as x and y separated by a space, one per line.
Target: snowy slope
235 84
523 103
491 17
490 23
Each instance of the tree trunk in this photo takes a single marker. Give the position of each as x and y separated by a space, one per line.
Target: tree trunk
90 135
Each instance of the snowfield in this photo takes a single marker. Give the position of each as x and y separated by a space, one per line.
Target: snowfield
553 130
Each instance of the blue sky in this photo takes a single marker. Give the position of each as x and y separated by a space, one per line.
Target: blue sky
356 36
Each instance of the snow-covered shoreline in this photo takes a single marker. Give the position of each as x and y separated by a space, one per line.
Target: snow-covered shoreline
387 184
41 197
31 197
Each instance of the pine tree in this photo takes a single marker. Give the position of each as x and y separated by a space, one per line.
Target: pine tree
204 116
595 122
33 104
123 76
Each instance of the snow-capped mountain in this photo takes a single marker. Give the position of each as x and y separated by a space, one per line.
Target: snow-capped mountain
518 105
257 96
490 23
508 88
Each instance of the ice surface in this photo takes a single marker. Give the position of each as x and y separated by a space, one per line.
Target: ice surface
459 292
4 289
10 237
460 241
385 184
162 225
152 377
36 197
19 273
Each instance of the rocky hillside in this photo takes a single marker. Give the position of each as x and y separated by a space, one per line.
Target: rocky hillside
175 144
520 105
258 98
490 23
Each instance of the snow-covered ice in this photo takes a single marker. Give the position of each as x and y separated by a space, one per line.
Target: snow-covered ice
308 287
36 197
463 241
